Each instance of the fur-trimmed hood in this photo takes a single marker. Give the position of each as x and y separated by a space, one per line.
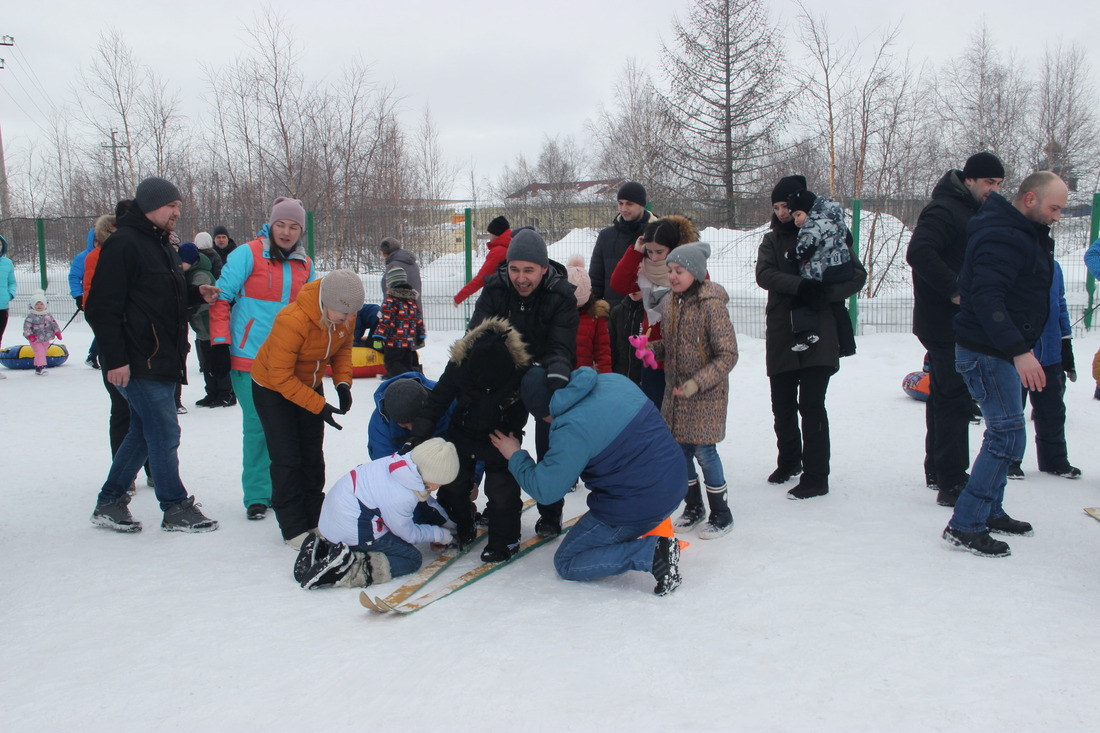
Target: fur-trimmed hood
598 309
405 292
461 349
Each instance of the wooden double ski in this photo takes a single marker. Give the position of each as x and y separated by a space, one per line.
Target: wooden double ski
428 573
463 581
1093 511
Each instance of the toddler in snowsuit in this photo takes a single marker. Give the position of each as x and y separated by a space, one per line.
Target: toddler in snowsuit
39 329
400 326
593 338
373 516
699 349
823 253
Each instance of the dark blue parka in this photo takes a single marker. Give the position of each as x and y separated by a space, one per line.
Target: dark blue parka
1005 281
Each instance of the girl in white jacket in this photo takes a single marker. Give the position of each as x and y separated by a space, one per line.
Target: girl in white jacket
375 514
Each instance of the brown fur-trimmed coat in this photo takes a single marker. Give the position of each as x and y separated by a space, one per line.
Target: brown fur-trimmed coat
698 344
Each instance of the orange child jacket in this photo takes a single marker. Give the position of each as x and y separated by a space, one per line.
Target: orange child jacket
293 359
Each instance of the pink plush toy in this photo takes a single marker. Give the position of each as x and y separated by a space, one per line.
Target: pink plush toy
641 350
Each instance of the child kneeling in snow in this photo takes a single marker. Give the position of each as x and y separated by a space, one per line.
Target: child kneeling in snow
374 515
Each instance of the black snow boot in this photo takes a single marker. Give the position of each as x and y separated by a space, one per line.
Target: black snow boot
694 513
666 565
721 518
1005 524
499 554
549 524
330 568
979 543
948 495
783 474
314 547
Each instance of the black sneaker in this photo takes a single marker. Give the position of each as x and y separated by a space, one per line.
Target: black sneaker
330 568
548 527
1014 470
1067 472
257 511
1005 524
979 543
497 554
92 361
782 475
186 517
948 496
207 401
314 547
807 491
666 565
116 515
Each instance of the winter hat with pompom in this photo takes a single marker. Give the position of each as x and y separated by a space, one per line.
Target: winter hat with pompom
579 278
436 460
39 296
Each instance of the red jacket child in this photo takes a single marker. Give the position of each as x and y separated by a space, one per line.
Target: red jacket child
593 341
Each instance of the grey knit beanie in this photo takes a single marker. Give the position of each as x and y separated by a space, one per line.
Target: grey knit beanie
342 291
528 246
403 400
288 209
692 257
436 460
153 193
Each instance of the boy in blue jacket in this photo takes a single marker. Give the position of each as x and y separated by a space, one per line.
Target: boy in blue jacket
604 430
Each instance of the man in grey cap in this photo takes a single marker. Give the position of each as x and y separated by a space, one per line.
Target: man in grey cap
138 309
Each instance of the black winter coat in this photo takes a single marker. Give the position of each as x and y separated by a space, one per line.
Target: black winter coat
547 319
780 277
936 252
1005 281
138 306
611 243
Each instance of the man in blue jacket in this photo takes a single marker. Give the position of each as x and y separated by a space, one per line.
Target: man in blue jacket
1004 287
603 429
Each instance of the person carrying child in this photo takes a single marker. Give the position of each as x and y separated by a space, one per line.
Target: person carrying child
400 325
39 328
309 335
699 348
373 517
824 257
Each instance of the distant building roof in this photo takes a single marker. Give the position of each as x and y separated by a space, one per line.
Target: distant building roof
607 187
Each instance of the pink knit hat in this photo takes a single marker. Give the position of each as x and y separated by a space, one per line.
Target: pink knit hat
289 210
578 276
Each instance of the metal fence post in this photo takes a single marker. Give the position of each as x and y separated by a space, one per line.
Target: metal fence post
309 235
469 244
853 301
1094 234
40 229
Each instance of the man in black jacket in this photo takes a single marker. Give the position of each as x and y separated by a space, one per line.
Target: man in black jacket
936 252
613 241
534 295
1004 286
138 309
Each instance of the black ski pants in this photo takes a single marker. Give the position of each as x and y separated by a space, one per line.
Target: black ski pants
947 418
801 393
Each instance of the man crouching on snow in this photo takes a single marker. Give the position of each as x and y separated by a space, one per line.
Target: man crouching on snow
374 515
604 430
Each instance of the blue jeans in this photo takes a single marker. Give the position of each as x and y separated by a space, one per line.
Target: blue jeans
995 384
154 434
403 556
707 455
593 549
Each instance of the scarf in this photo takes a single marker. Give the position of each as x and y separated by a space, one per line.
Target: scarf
653 296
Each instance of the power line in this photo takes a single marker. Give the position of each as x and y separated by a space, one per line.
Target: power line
38 82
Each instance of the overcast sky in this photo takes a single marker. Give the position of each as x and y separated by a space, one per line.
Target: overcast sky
497 74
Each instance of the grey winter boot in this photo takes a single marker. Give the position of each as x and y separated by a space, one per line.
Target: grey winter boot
116 515
693 509
721 518
366 569
186 517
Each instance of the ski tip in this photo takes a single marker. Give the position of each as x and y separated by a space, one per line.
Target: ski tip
385 607
366 602
1093 511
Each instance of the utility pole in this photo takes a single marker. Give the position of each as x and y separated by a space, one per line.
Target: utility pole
114 147
5 200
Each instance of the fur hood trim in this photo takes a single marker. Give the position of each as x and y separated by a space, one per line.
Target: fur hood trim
688 232
461 348
405 293
599 309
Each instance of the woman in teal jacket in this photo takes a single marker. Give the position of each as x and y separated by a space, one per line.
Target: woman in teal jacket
7 287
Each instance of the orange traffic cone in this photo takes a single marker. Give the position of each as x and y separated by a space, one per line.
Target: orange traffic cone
664 529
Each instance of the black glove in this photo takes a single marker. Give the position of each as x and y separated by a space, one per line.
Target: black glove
790 255
217 360
813 294
344 392
79 302
1068 364
327 412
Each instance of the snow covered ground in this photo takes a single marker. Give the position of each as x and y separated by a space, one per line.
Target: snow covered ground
838 614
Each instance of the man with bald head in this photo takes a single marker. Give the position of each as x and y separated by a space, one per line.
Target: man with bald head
1004 286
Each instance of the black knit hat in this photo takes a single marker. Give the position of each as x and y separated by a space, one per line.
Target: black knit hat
498 226
153 193
632 191
403 400
528 246
219 229
786 186
535 393
801 200
983 165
